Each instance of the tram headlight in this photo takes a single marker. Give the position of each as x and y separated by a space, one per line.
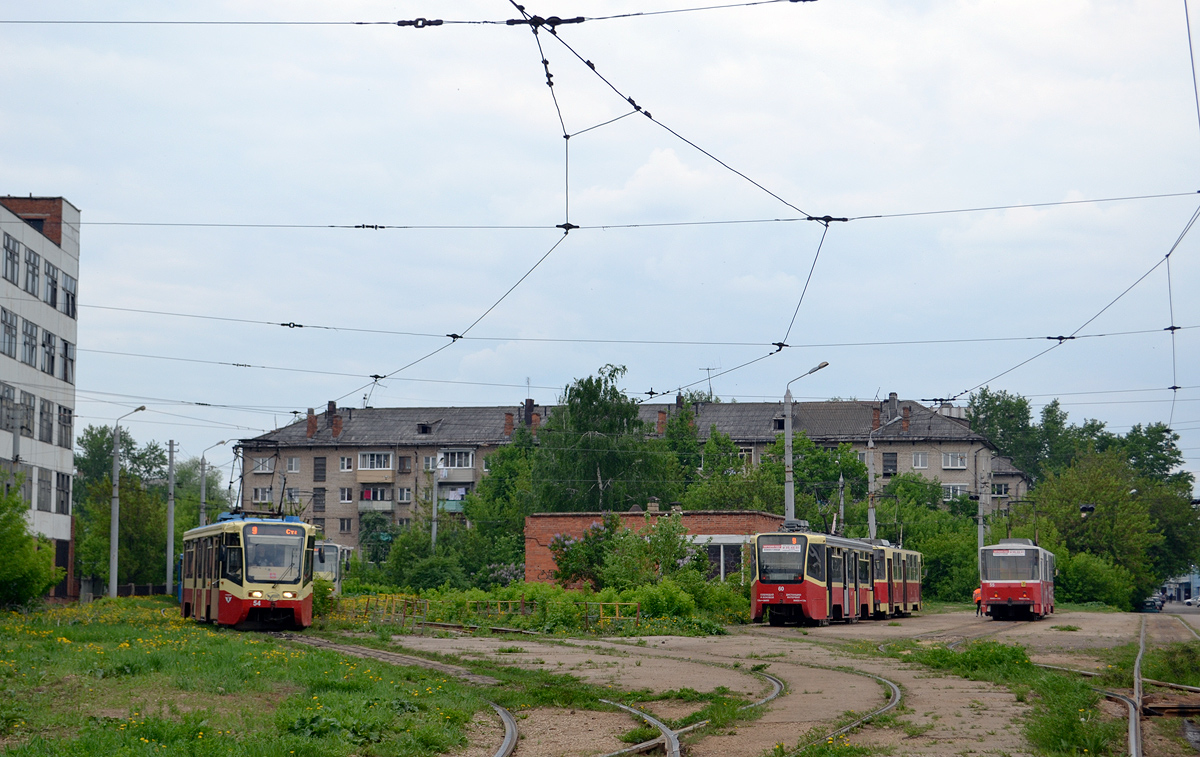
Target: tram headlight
289 595
256 594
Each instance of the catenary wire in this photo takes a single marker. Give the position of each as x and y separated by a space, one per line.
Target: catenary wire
1187 19
609 226
1062 340
804 291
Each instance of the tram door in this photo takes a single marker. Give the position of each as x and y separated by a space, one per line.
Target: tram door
214 580
891 589
848 580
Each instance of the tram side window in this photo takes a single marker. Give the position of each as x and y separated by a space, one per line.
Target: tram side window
880 567
864 569
835 568
232 569
308 565
816 562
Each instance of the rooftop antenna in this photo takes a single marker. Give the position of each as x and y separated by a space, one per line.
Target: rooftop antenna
709 372
527 387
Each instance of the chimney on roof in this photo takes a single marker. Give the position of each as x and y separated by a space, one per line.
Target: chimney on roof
892 410
337 426
652 505
330 411
536 420
528 412
312 424
904 423
661 428
874 418
508 424
679 401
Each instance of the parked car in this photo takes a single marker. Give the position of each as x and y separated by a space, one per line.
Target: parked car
1188 601
1149 605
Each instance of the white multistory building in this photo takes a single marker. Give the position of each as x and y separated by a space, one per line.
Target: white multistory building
39 274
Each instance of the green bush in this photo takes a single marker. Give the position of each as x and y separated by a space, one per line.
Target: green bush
1086 578
323 600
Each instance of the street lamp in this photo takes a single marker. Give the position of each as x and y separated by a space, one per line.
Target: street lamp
789 485
204 484
115 513
871 477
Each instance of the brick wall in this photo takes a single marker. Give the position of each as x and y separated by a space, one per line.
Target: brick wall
540 530
48 210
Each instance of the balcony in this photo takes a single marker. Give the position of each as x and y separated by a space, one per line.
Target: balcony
456 475
450 506
375 476
368 506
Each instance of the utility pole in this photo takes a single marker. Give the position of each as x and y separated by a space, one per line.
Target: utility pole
170 513
789 484
203 491
841 529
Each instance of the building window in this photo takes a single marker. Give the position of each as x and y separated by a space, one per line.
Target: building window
746 455
264 465
999 490
51 293
345 525
424 428
319 524
46 423
318 501
62 492
292 494
33 262
950 491
45 495
345 463
430 463
293 465
261 494
29 342
376 494
49 351
920 460
27 414
862 456
346 494
68 299
403 494
889 463
8 340
318 469
66 431
68 362
12 260
954 460
427 494
779 424
374 461
404 465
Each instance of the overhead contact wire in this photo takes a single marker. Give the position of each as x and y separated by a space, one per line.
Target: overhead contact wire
804 291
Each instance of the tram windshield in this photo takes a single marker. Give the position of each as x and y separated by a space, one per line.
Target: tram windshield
1010 564
274 552
781 558
330 568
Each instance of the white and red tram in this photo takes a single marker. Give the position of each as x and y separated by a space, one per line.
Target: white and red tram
1017 580
249 571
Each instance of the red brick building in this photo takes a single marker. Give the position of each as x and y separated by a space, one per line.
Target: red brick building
724 531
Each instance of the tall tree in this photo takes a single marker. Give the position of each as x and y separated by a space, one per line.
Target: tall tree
594 452
1006 420
26 561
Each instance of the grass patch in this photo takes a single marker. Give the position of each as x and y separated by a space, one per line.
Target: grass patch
1065 628
1065 718
130 677
1173 663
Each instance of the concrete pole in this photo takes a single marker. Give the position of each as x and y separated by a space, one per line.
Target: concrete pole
170 514
203 490
870 487
841 529
115 511
789 483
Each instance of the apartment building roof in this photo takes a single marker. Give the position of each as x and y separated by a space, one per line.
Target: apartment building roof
393 426
826 422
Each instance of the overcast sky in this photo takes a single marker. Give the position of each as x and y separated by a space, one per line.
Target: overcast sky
256 133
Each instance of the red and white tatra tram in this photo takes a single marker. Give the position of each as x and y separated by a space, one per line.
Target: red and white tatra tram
1017 580
804 577
249 572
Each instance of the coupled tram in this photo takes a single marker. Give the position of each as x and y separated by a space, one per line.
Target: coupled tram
1017 580
249 572
811 578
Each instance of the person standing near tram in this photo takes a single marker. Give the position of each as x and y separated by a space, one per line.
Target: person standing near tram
979 602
